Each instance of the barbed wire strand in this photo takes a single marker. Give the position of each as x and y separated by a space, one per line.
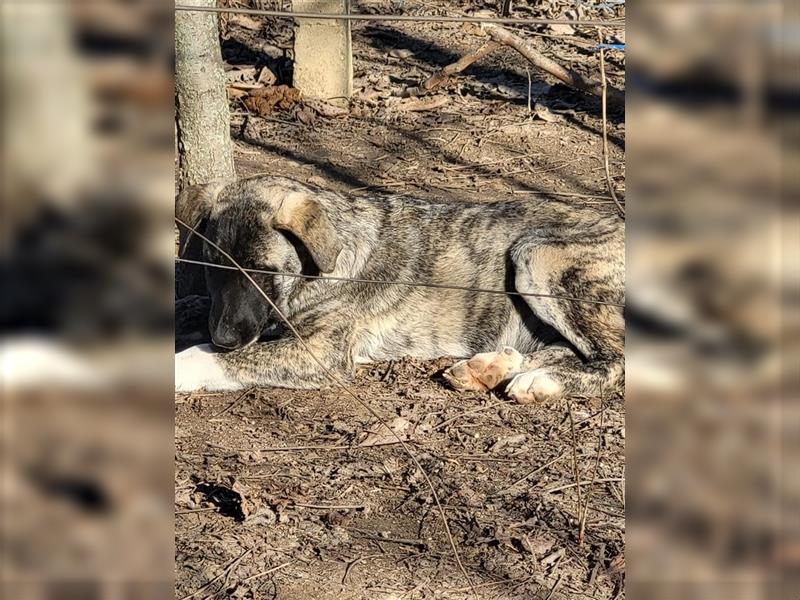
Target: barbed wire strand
443 286
406 18
335 378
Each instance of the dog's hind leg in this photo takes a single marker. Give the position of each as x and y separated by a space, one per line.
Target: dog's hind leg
589 359
581 282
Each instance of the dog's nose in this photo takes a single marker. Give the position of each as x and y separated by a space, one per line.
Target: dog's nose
227 338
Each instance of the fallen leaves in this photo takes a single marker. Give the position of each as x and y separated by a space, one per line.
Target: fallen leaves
381 435
262 101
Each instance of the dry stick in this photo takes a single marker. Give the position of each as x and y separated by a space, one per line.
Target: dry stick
555 587
441 77
224 573
267 572
335 378
231 405
603 86
540 61
575 470
330 506
486 584
567 486
464 414
582 517
528 476
304 448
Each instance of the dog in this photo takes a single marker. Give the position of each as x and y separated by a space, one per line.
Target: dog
559 332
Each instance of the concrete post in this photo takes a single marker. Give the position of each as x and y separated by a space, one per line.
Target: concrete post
323 55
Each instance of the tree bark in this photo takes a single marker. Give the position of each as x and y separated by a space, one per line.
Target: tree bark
205 151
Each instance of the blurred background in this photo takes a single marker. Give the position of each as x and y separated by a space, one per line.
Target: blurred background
713 492
86 308
712 333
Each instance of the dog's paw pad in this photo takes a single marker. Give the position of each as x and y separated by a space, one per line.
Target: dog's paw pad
484 371
460 377
539 385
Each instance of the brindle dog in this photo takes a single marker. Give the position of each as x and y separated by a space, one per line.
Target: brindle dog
538 347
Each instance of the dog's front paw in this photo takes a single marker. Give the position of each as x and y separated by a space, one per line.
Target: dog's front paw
199 368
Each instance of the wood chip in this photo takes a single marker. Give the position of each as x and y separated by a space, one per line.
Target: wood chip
422 104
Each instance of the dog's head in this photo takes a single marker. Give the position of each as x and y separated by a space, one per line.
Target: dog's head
266 223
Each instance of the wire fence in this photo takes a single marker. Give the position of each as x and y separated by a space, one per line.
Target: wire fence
417 284
616 23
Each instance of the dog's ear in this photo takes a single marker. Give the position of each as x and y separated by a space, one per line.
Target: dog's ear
305 218
195 202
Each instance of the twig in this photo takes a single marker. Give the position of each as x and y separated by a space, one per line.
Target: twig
582 528
572 485
464 414
543 63
231 405
401 541
528 476
555 587
224 573
603 87
330 506
355 561
268 571
195 510
601 554
346 389
528 73
575 471
490 583
441 77
569 194
303 448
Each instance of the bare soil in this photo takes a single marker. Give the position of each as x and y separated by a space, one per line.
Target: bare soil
300 494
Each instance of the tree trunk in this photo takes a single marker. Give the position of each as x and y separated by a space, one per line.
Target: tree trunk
205 150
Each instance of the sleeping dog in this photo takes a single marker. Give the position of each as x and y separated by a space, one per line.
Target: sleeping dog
562 334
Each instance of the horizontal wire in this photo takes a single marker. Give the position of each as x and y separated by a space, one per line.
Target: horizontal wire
442 286
407 18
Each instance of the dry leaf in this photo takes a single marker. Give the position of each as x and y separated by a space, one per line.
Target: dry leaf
245 21
617 565
561 29
421 104
263 100
382 435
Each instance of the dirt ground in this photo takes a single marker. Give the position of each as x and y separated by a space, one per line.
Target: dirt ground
301 495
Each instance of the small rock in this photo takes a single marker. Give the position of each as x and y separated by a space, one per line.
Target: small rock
266 77
400 53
